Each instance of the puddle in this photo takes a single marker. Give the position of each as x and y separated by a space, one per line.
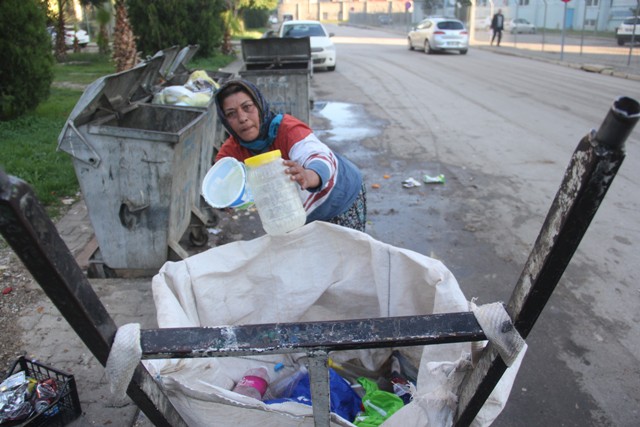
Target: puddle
345 121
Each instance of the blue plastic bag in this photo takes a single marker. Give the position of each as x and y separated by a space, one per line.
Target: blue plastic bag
344 401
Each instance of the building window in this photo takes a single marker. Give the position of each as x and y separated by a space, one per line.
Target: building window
592 2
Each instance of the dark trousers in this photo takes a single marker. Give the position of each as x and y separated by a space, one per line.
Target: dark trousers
496 33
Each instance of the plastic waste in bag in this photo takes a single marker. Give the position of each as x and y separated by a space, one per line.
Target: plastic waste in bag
344 401
254 383
353 372
402 387
378 405
285 386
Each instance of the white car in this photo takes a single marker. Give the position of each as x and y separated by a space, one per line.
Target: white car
323 51
520 26
625 30
439 34
70 35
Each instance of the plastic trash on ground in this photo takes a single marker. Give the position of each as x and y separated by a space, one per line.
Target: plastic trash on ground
439 179
410 183
359 277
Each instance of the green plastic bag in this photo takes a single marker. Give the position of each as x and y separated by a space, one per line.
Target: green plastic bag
378 404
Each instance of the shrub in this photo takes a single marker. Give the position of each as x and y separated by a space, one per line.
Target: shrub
161 24
26 66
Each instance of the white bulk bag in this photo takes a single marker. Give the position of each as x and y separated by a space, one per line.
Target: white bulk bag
318 272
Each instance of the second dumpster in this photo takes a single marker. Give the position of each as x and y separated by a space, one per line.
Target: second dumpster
281 68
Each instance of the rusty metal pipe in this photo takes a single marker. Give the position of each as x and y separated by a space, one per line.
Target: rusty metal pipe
35 239
589 175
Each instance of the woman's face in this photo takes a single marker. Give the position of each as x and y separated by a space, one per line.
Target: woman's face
243 115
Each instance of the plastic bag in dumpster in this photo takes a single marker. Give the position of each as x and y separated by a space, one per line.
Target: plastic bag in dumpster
196 92
317 272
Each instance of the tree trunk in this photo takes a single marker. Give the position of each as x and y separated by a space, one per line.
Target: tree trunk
125 53
61 49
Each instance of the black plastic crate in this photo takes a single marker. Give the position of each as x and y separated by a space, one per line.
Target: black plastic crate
66 406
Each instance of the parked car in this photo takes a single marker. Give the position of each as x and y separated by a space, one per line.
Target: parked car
70 34
625 30
287 17
520 26
483 23
273 19
323 51
439 34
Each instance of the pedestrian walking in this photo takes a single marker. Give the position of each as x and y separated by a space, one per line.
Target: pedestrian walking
497 25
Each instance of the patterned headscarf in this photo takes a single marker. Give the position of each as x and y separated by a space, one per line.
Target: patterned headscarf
269 121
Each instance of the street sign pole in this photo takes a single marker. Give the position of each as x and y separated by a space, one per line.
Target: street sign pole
564 24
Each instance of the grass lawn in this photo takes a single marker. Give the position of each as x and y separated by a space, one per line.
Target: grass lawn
29 143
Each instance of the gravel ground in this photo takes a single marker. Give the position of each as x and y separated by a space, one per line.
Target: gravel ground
20 293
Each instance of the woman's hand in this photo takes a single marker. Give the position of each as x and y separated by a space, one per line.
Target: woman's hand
306 178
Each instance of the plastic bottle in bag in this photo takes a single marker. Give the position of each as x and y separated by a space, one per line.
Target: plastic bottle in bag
283 388
254 383
401 386
275 195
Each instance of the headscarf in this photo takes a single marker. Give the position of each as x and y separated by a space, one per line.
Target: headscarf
269 121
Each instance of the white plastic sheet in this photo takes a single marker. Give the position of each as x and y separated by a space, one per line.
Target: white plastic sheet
318 272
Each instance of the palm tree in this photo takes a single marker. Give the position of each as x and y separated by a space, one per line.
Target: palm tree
125 53
103 16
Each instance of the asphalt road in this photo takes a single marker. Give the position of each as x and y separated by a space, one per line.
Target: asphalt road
501 129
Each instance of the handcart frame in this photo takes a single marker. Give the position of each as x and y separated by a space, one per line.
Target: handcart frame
595 162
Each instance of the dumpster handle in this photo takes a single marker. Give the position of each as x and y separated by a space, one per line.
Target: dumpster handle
130 213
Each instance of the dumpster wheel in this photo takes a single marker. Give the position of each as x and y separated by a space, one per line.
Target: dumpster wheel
198 235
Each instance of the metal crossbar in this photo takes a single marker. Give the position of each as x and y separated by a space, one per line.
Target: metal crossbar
595 162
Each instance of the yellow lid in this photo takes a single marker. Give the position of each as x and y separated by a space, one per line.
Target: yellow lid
262 159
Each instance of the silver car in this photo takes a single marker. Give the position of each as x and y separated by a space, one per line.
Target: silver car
439 34
628 29
520 25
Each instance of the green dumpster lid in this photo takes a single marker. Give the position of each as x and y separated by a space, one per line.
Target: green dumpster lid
277 51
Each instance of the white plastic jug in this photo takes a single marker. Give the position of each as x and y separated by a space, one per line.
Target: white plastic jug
275 195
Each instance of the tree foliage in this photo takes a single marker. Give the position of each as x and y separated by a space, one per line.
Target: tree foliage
25 48
164 23
233 19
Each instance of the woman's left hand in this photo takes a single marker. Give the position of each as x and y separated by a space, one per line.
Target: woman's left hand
305 178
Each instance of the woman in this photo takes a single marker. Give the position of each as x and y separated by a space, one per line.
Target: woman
331 186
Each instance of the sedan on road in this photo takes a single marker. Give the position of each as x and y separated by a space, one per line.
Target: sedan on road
520 26
323 51
439 34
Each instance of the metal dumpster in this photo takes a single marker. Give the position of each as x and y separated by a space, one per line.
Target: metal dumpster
281 68
139 165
